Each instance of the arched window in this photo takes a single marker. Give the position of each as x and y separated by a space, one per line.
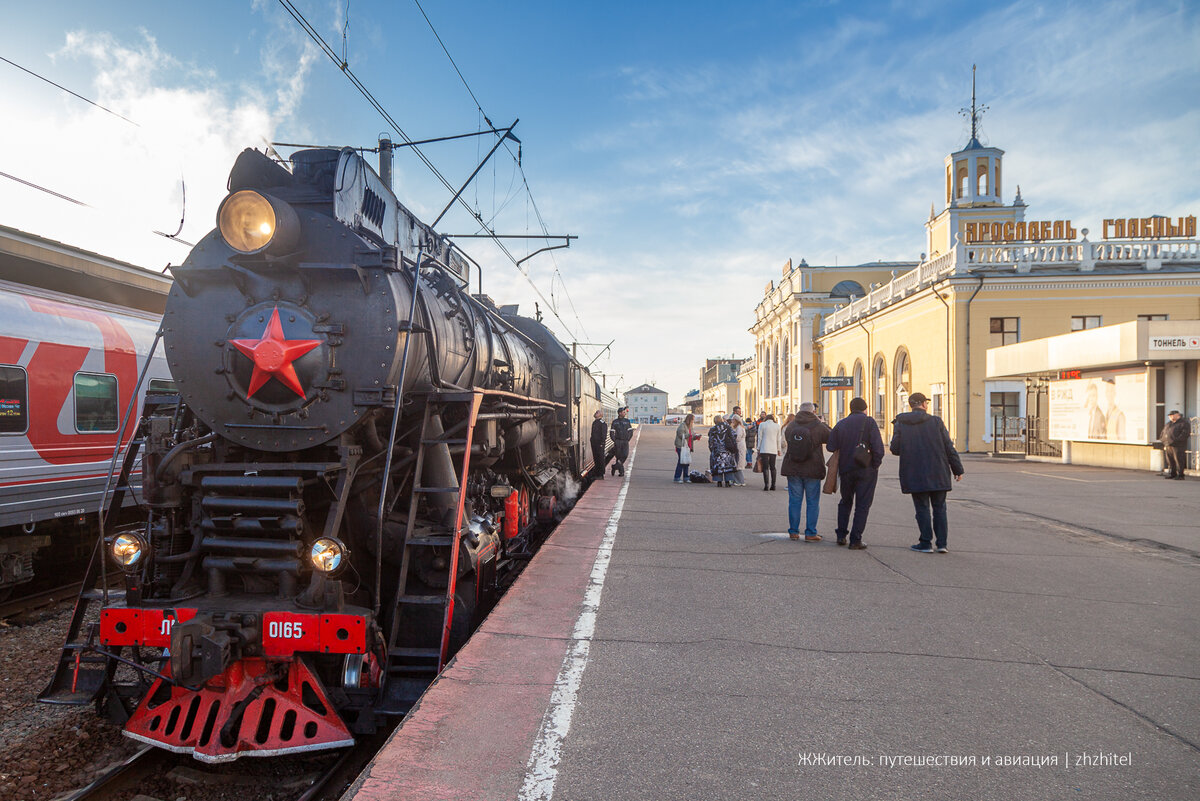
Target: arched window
784 367
775 372
903 376
764 378
858 391
963 176
879 388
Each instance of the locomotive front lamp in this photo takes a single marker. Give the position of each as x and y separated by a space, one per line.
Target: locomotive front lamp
251 222
128 549
327 554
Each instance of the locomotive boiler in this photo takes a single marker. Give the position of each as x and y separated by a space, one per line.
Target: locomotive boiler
359 455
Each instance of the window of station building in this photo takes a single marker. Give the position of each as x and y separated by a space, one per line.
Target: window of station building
14 400
1149 317
784 366
937 399
1005 331
879 377
95 402
903 375
1084 322
1008 405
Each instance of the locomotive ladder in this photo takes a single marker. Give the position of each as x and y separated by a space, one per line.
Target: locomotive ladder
411 668
82 673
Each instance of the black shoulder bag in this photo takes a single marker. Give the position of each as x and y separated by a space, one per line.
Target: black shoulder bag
862 451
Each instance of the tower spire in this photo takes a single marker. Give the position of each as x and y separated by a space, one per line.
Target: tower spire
975 112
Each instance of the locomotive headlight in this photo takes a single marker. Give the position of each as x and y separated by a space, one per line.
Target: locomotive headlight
129 549
251 222
328 554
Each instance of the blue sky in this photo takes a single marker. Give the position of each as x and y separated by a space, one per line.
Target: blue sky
693 147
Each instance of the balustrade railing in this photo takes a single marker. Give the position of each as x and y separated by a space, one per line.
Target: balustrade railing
1022 256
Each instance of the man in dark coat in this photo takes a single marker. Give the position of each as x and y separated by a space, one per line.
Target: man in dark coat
858 480
927 458
622 432
599 441
804 467
1174 438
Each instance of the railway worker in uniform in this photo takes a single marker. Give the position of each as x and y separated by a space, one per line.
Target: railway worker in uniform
599 440
927 458
852 436
1174 438
622 432
804 468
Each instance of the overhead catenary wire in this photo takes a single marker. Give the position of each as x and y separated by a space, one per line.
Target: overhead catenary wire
182 182
68 91
69 199
517 159
343 65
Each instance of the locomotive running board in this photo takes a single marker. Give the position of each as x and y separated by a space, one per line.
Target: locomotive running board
241 712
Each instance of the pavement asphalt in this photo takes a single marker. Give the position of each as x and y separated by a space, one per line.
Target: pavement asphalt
1053 653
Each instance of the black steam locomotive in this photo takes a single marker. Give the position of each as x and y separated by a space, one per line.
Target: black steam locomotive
359 454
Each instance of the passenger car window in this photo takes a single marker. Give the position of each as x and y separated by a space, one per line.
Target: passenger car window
14 400
95 402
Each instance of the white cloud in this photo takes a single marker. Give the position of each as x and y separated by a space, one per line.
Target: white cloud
191 124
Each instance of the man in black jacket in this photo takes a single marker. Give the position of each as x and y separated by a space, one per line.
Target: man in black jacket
1174 438
927 458
622 432
599 441
857 479
804 467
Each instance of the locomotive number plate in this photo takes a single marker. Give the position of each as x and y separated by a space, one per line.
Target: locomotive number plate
284 633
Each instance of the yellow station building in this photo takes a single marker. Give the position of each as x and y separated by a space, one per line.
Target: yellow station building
990 277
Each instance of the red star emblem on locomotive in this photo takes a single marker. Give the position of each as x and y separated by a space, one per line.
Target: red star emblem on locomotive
273 356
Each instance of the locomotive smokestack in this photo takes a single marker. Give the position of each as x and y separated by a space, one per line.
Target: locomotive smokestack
385 159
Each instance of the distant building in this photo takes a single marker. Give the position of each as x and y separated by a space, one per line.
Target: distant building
647 404
748 387
693 403
719 387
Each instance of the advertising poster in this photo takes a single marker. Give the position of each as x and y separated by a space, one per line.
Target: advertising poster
1103 407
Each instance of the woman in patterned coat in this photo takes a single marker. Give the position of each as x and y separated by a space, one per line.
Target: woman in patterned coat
722 452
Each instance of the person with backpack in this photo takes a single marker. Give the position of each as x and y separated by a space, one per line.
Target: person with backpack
804 468
859 446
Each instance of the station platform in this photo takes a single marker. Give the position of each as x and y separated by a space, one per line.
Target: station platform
670 642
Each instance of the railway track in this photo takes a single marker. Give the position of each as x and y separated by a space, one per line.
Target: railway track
116 777
37 600
130 776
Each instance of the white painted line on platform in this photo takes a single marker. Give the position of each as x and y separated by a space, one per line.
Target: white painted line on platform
541 772
1051 475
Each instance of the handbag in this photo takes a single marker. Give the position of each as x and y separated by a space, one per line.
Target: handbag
862 451
831 476
685 455
758 465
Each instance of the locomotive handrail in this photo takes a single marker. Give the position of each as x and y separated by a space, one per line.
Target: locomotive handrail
391 444
102 515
